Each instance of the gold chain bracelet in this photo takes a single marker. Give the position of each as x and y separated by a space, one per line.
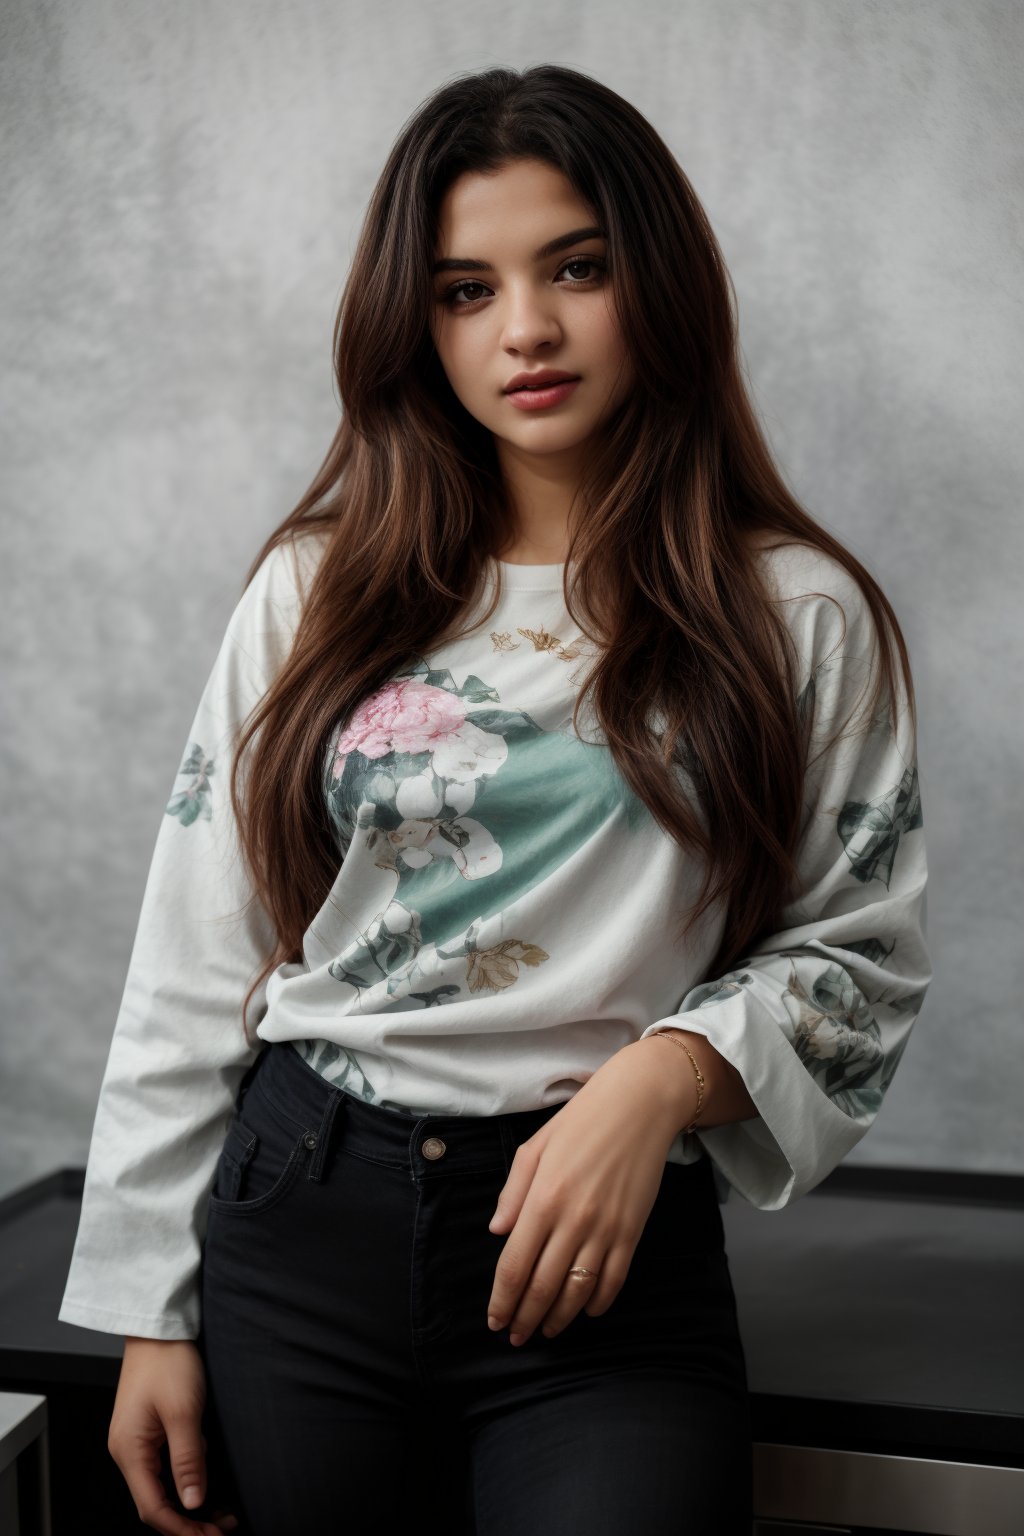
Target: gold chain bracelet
673 1036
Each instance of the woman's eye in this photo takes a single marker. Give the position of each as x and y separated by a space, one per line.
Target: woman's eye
451 298
453 293
582 261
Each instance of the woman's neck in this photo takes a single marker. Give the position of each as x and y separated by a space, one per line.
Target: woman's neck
531 555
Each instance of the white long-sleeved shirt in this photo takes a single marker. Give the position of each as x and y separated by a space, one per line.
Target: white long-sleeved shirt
502 921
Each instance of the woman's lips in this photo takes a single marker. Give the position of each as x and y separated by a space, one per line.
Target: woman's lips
536 399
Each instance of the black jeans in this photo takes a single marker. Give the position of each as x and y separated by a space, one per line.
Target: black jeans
353 1381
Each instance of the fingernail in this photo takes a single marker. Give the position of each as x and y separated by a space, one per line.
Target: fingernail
516 1338
191 1497
493 1322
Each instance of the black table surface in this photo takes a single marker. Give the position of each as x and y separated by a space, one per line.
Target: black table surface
882 1312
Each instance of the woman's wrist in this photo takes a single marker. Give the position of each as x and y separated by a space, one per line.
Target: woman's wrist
690 1079
668 1097
726 1098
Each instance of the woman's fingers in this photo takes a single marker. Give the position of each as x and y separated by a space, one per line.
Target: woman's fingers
523 1244
160 1398
570 1297
592 1296
152 1503
520 1175
514 1274
532 1275
186 1449
579 1192
562 1295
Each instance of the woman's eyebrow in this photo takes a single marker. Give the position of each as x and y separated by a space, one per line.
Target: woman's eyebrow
467 264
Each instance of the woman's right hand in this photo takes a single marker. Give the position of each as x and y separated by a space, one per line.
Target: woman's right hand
161 1394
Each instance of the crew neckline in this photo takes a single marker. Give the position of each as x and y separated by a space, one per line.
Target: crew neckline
529 578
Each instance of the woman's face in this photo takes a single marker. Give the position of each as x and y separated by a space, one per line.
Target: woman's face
505 307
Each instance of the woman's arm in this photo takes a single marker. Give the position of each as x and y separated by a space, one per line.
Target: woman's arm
179 1051
815 1018
798 1043
725 1097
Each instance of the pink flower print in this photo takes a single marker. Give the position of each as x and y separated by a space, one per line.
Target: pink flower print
406 716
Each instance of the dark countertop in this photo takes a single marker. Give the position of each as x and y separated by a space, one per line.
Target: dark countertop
881 1312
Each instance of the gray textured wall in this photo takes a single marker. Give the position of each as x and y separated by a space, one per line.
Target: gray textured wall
184 185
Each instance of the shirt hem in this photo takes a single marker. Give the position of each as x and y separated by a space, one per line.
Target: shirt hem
81 1314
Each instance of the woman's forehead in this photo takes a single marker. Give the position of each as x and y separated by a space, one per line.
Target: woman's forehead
525 203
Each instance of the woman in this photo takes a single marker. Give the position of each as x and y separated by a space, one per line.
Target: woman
551 812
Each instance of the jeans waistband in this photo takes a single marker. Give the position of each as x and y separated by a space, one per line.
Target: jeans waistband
310 1102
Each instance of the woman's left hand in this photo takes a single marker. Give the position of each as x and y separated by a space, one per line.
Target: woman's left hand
580 1191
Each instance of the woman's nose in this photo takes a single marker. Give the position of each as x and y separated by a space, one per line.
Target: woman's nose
528 322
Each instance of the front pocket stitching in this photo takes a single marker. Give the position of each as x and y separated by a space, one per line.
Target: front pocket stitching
285 1180
246 1139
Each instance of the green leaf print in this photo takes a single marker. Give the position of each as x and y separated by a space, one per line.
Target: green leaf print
437 995
440 677
871 949
871 831
476 688
838 1039
391 942
717 991
322 1056
195 799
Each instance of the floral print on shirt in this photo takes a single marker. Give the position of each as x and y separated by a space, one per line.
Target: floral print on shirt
871 831
194 800
404 774
836 1034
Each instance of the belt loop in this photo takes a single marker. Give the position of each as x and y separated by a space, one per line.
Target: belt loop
323 1137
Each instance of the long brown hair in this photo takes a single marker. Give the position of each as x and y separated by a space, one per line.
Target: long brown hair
665 578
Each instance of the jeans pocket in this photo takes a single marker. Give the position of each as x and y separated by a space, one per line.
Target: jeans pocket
262 1156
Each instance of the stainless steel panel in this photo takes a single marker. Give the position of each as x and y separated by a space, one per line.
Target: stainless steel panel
941 1498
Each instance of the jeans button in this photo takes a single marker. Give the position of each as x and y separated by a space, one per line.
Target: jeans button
310 1139
433 1147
